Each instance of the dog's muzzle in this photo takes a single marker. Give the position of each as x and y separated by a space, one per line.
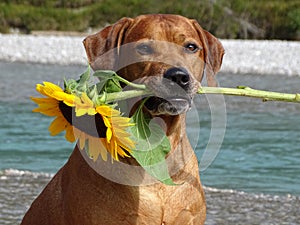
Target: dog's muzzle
172 106
172 93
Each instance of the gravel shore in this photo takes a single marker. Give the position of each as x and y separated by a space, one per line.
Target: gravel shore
241 56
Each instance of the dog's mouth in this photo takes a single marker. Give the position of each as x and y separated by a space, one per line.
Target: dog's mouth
168 106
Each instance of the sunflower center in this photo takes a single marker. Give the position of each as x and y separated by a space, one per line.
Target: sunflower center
91 125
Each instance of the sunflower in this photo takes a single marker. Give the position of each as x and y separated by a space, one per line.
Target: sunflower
50 106
106 135
99 130
84 105
117 139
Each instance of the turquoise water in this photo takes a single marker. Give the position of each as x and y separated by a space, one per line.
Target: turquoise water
26 143
260 152
254 179
257 154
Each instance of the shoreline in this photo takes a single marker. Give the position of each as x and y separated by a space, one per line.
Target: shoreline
270 57
224 206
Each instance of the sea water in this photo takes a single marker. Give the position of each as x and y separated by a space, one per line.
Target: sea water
252 178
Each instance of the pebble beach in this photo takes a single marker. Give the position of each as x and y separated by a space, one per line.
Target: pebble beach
241 56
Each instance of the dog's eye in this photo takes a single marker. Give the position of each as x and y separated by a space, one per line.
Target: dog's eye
144 49
191 48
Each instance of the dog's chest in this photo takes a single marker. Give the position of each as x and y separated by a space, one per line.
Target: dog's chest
163 204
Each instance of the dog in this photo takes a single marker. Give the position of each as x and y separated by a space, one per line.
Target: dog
162 51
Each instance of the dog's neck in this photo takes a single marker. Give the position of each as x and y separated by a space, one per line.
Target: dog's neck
128 171
181 153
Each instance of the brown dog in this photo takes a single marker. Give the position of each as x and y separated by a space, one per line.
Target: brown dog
153 49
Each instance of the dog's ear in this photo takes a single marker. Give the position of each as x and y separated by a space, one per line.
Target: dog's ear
213 53
102 48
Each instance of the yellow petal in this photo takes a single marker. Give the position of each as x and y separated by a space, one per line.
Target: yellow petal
49 90
40 89
58 125
55 92
105 110
115 147
115 112
44 100
120 133
76 132
121 120
127 144
51 86
66 98
93 152
91 111
48 111
87 100
84 105
103 150
80 112
82 140
96 147
108 134
46 106
80 136
106 121
70 134
122 152
109 147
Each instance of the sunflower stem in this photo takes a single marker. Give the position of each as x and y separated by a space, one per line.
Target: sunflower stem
249 92
138 86
239 91
119 96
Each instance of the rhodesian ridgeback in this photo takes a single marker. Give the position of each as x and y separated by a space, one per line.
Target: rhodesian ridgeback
161 51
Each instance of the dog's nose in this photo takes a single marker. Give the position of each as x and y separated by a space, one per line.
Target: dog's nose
179 76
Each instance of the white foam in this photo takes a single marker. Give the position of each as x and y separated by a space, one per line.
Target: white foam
15 172
253 195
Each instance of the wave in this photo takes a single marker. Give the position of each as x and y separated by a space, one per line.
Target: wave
252 195
224 206
4 174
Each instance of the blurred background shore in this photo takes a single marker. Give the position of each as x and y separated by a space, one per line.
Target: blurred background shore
227 19
277 57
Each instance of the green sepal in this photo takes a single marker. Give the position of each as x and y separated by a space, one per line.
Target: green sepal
79 86
93 93
84 77
101 99
113 85
109 81
70 86
83 85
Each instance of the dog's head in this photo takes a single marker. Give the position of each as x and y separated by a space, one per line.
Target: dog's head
168 53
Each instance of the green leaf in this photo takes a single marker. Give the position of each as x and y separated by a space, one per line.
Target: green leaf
93 94
84 77
103 74
113 85
152 146
109 81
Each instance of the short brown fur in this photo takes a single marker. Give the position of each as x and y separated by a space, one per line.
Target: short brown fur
79 195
